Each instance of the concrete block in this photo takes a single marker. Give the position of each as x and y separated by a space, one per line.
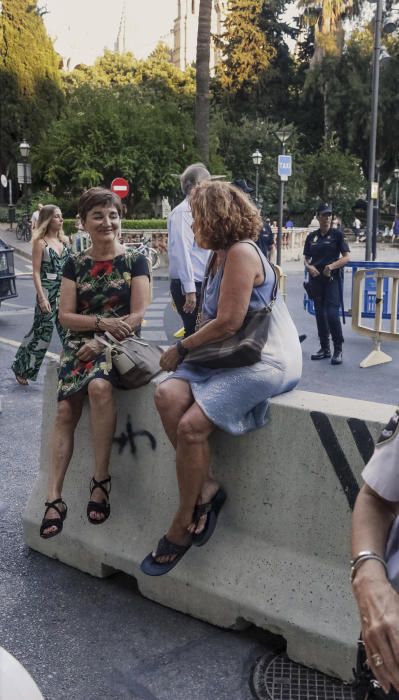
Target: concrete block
280 556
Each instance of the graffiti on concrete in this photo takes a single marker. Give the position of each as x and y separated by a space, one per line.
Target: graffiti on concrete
128 437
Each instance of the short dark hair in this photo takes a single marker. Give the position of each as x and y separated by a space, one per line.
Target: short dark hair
98 197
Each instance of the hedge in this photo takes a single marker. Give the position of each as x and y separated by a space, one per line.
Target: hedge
127 224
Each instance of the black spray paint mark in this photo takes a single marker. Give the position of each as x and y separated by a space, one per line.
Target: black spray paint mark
336 456
363 438
129 436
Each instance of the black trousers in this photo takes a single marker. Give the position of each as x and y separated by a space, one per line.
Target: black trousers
326 292
189 320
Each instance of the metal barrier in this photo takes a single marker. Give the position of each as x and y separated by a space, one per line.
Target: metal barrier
386 296
369 291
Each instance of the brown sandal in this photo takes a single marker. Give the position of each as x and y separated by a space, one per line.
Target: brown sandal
21 380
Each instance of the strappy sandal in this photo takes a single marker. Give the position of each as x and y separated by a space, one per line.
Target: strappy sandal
166 548
102 508
21 380
211 510
53 522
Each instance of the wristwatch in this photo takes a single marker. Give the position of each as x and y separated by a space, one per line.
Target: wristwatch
181 350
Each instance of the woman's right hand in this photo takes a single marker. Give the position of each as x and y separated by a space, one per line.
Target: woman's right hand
44 305
313 271
116 326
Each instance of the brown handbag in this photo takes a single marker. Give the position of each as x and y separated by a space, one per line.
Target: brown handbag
246 345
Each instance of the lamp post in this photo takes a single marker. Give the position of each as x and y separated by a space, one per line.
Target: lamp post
396 175
256 159
282 135
24 149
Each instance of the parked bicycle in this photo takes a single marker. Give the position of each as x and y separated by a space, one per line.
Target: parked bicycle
24 229
144 248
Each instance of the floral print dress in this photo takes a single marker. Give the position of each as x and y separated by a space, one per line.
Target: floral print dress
33 348
103 288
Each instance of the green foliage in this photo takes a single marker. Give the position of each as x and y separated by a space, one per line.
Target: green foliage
105 133
29 77
127 225
335 176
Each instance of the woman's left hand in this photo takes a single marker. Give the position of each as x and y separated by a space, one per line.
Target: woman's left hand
89 350
170 359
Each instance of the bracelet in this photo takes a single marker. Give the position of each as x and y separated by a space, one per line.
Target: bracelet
181 350
361 558
97 323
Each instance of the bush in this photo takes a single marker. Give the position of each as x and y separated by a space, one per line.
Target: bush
127 225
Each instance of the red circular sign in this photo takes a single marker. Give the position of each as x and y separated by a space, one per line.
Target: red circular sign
120 186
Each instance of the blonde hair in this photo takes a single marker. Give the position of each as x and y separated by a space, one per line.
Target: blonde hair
223 214
43 223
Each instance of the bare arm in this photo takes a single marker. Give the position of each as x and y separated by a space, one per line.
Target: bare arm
343 260
313 271
243 269
37 257
139 300
377 600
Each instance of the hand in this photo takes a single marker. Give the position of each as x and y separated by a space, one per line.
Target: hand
116 326
379 611
89 351
327 271
170 359
190 302
44 305
313 271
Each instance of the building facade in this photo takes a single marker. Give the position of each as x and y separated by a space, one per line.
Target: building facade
184 32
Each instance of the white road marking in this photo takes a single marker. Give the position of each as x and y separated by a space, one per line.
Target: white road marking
154 335
16 306
16 344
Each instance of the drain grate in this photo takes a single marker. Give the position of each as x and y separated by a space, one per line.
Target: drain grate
279 678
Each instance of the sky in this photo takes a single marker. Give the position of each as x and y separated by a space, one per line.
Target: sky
83 28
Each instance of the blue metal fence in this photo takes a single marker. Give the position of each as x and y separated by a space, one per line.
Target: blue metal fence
369 290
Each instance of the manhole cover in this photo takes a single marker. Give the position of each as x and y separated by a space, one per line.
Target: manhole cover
279 678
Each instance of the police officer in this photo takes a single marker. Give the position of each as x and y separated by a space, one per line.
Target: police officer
326 251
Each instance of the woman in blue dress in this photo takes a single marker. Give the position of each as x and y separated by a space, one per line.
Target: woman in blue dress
195 400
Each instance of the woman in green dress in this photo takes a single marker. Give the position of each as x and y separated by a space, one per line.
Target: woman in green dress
49 253
104 289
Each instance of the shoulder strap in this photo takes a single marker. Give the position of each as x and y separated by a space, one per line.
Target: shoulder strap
276 277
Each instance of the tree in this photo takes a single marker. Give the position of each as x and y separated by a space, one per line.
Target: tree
29 77
203 79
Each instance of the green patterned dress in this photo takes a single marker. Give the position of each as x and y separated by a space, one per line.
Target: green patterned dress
103 288
33 348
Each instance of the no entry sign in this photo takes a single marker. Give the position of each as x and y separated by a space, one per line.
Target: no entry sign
120 186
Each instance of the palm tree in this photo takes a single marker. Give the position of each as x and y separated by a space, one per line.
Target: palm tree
202 79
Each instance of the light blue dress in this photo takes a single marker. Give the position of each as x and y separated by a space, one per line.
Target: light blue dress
236 400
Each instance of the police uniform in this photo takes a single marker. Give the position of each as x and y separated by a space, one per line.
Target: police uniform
322 250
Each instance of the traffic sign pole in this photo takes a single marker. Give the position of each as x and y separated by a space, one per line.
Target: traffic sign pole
284 169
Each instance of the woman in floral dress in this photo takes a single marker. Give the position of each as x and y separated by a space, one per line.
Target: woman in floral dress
49 253
104 289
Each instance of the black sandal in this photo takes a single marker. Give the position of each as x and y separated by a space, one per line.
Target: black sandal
152 567
102 508
53 522
211 510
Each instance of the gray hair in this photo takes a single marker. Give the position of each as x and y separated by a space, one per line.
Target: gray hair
192 176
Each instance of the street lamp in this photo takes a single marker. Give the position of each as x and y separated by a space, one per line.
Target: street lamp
24 149
396 175
256 159
282 135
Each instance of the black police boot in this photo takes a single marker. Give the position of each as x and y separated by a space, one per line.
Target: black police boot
322 354
337 357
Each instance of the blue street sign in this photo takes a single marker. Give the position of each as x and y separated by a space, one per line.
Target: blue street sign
284 166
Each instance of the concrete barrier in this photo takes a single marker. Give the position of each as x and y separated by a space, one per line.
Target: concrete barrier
280 556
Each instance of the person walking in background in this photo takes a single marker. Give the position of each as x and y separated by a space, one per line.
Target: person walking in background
49 254
356 226
187 261
35 216
326 252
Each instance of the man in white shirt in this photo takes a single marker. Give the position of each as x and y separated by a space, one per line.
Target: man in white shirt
35 216
187 261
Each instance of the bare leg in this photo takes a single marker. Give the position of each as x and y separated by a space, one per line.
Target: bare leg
61 449
172 399
192 464
103 422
